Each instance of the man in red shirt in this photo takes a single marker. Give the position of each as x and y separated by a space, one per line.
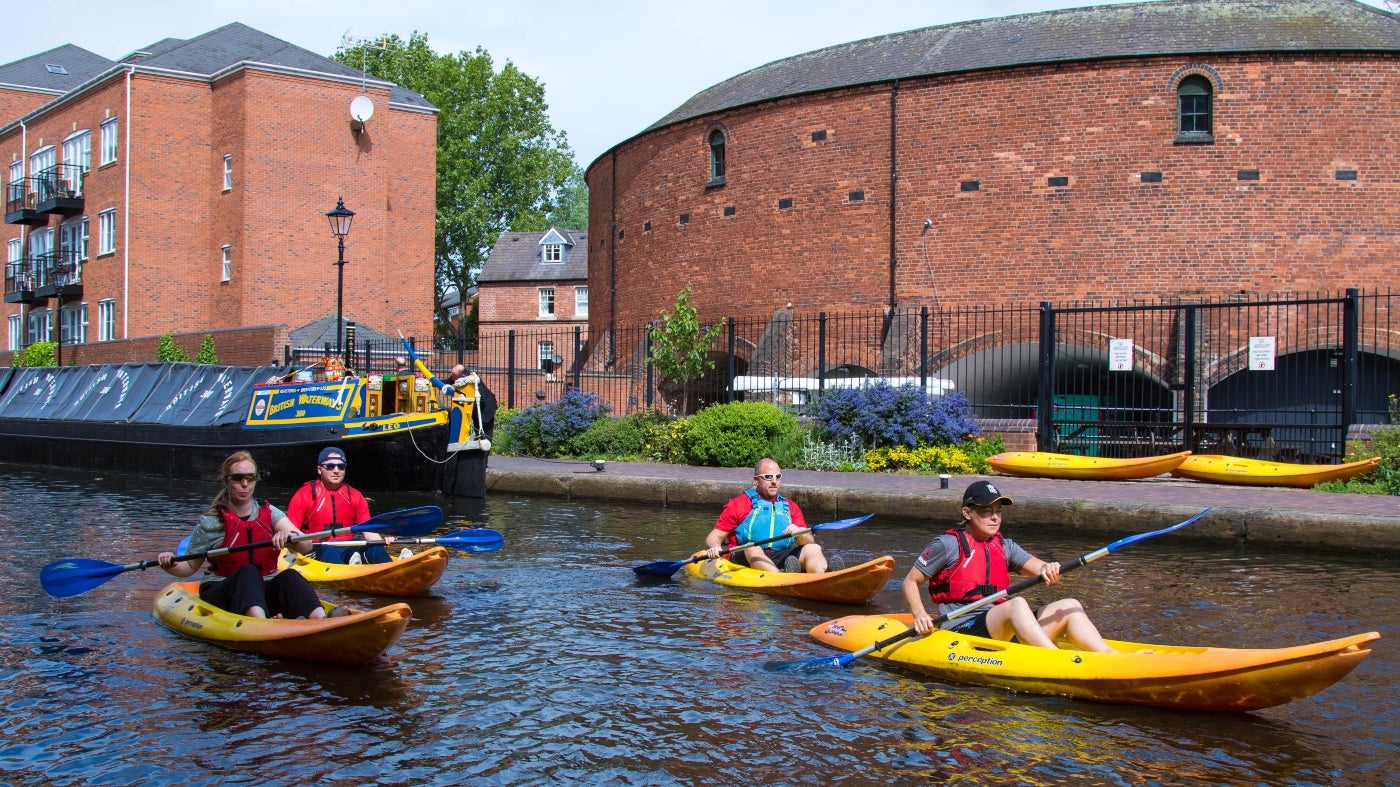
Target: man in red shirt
329 502
762 513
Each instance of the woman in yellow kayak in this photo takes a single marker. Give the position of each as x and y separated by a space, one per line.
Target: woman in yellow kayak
975 560
246 581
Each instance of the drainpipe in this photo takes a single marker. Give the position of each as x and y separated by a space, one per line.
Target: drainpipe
612 264
894 187
126 215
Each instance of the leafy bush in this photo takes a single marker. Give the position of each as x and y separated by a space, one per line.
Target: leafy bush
206 352
882 415
735 434
844 457
1385 479
501 443
38 354
546 429
168 351
641 436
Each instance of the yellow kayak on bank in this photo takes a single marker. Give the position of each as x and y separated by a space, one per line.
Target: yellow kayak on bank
854 585
357 638
401 577
1257 472
1164 676
1042 464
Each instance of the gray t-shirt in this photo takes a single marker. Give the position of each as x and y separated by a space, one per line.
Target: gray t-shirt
943 551
209 533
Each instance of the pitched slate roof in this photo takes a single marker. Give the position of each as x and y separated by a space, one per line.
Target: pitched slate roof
319 334
516 258
1166 27
33 73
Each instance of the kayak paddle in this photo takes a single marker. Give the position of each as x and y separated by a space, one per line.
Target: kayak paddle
477 539
845 659
74 575
665 568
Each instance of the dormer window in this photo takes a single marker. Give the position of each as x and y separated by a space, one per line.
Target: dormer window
553 252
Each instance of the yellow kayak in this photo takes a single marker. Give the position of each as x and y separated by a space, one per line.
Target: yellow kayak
854 585
1164 676
1257 472
404 577
357 638
1041 464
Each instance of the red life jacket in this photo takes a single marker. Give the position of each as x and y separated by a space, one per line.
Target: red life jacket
980 571
327 515
240 532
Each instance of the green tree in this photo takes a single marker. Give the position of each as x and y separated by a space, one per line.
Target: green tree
168 351
680 347
571 203
38 354
500 163
206 352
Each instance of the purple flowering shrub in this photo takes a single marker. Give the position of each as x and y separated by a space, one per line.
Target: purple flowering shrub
546 429
883 415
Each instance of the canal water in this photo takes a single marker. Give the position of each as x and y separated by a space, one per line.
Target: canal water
549 662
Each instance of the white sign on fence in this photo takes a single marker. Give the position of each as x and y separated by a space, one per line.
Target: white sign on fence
1120 355
1261 353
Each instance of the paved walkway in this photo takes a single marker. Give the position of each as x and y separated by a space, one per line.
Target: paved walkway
1256 515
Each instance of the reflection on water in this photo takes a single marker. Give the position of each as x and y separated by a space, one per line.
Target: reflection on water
550 662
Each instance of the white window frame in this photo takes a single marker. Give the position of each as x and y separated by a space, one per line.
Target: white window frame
581 301
73 236
106 319
40 244
16 175
107 231
552 253
545 352
227 269
42 159
228 171
546 303
74 322
40 327
77 149
16 330
109 140
15 250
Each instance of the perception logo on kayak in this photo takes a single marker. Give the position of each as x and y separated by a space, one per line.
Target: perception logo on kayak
836 629
985 660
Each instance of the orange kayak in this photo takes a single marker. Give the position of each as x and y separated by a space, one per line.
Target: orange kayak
357 638
854 585
1164 676
403 578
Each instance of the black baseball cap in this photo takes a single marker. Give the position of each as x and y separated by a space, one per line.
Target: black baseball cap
983 493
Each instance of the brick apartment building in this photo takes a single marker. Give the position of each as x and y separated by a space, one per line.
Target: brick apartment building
185 187
535 284
1176 149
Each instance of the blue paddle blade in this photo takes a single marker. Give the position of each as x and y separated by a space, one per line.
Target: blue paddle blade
73 576
820 662
660 568
842 524
407 522
477 539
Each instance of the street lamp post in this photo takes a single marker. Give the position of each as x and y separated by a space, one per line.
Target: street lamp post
340 218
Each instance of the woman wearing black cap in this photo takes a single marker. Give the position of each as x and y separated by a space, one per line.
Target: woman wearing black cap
975 560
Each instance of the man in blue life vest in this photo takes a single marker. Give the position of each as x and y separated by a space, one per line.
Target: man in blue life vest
761 513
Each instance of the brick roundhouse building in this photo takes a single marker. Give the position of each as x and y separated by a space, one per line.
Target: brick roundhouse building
1184 150
185 188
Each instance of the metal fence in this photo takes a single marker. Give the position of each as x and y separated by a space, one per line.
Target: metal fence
1282 378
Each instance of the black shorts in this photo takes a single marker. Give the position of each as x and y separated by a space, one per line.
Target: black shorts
775 555
977 624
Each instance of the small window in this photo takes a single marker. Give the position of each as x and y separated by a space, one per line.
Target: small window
646 227
73 323
16 329
1194 108
228 171
1247 174
580 301
785 203
55 68
106 320
546 302
546 356
226 272
109 140
1346 174
1057 181
685 218
716 156
107 231
819 136
1151 177
856 196
553 252
729 210
970 185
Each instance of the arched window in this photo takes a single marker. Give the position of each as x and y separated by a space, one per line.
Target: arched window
716 156
1194 107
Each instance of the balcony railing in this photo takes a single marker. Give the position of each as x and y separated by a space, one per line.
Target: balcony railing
59 189
21 202
21 280
60 274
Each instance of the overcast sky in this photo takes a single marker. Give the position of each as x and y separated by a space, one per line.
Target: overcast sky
610 67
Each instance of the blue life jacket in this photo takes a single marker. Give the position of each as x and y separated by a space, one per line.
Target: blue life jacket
765 521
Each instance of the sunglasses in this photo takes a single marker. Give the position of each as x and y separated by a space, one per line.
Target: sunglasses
770 476
333 465
246 478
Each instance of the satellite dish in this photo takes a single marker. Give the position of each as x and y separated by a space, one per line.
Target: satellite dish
361 108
